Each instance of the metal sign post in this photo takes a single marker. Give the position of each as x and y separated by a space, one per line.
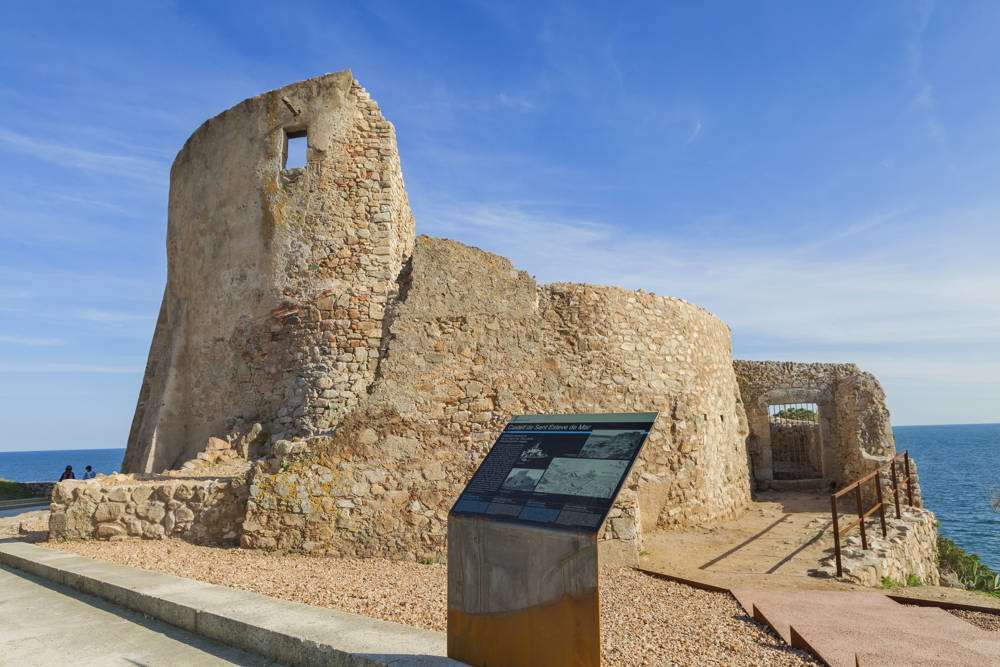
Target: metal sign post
522 540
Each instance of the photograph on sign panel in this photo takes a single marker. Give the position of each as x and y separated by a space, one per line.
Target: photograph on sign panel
611 444
522 479
534 453
596 478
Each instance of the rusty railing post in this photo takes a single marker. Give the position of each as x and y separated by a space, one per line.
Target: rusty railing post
909 479
895 488
881 505
836 533
861 518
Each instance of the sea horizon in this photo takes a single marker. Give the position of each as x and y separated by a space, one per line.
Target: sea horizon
46 465
67 449
94 449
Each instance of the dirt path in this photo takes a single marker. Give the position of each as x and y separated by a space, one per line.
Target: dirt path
772 546
781 538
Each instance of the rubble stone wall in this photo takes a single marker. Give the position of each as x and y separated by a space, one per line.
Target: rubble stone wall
277 278
202 511
909 548
472 341
855 432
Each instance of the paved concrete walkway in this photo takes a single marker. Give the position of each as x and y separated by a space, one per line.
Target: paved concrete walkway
16 511
851 629
287 632
42 623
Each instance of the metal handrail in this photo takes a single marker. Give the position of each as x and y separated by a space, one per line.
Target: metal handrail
879 505
906 484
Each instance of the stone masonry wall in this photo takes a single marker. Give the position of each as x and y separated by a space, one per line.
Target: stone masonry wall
910 548
855 430
277 278
470 342
202 511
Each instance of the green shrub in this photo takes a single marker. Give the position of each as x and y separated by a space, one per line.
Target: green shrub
801 414
971 571
889 582
13 491
913 580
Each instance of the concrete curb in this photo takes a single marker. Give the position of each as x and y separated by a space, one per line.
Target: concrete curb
288 632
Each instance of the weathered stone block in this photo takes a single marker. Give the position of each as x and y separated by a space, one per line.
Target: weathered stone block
109 512
183 514
153 532
108 530
141 494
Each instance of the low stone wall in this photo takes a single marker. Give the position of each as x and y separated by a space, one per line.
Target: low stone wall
620 539
910 548
202 511
40 489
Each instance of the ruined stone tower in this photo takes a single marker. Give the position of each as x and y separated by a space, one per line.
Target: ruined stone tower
277 278
381 366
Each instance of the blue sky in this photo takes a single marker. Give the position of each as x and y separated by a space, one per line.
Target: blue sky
823 176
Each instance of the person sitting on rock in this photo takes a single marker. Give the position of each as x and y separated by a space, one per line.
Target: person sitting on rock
88 473
67 474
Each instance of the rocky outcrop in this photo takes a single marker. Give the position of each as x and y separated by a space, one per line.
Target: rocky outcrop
908 550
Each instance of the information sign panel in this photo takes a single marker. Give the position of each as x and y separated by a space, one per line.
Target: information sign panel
556 471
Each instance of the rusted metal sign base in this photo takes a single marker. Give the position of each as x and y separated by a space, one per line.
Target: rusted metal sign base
520 596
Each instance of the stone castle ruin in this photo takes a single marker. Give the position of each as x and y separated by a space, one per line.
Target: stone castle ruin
338 380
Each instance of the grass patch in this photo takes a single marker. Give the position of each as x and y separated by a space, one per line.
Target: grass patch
972 572
912 581
889 582
13 491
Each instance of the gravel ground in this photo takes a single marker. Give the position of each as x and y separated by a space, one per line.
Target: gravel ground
28 526
645 621
981 619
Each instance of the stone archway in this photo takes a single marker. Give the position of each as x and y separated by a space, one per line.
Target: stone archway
814 463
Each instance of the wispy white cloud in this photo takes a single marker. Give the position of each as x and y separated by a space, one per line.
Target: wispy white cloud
131 167
69 368
919 310
31 341
870 294
110 316
923 96
695 131
99 204
516 102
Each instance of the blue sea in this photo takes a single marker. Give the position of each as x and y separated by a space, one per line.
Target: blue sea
48 466
958 467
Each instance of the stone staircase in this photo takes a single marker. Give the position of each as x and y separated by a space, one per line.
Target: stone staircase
857 629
